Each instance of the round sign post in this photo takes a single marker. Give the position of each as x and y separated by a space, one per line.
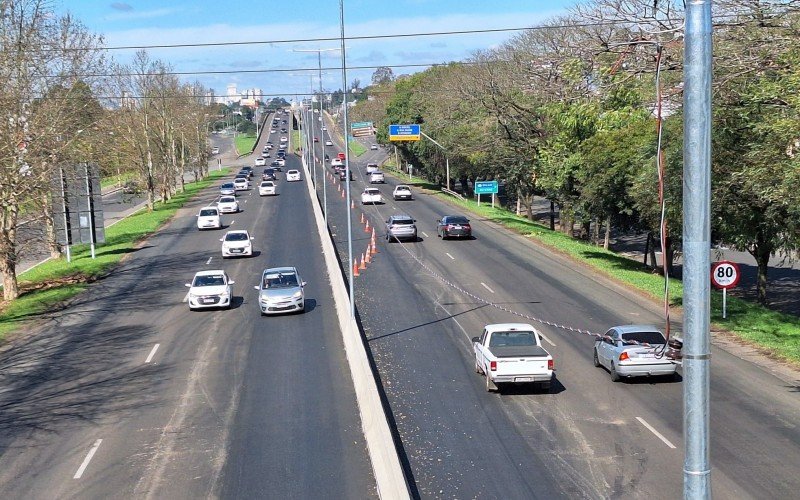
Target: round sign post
725 274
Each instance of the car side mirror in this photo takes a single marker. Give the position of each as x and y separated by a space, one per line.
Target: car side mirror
252 237
439 221
475 340
303 283
221 239
188 285
257 287
231 282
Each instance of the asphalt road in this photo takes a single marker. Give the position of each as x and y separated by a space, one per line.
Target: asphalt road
589 437
125 393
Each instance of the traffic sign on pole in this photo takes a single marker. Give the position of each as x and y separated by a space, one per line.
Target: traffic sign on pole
404 132
725 274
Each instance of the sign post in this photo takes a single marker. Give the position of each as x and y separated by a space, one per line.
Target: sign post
725 274
486 187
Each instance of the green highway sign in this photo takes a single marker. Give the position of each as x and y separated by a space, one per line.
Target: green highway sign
356 125
486 187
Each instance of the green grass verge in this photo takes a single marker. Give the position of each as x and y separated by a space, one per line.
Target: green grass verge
66 280
357 148
296 143
245 143
775 331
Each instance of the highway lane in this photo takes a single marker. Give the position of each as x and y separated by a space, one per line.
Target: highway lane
223 393
591 430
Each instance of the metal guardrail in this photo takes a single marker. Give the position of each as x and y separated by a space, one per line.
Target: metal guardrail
453 193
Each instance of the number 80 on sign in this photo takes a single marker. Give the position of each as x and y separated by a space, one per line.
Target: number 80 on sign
725 274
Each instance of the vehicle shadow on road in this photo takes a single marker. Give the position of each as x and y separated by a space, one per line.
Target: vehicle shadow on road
72 376
556 387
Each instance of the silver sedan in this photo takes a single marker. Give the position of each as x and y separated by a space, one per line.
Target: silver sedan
634 351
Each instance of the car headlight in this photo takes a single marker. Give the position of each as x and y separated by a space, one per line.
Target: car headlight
297 295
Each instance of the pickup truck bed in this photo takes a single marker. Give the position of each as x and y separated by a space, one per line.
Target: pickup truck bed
514 351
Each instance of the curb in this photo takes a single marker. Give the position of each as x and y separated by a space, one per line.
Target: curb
386 467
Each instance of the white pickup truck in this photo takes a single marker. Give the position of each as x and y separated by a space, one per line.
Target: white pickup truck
512 353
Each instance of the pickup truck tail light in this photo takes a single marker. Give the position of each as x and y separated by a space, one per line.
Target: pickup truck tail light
551 365
624 356
493 366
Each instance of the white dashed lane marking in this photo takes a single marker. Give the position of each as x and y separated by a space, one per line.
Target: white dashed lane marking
484 285
424 234
654 431
450 256
88 459
209 260
152 353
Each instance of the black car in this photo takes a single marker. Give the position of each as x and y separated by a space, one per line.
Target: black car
269 175
343 173
249 170
453 226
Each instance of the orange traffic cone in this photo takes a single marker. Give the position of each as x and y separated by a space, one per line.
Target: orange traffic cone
352 204
366 228
355 267
369 254
373 248
342 193
363 263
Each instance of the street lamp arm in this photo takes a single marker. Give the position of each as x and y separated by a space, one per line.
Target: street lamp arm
433 141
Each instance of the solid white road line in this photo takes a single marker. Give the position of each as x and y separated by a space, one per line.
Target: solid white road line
450 256
87 459
232 222
546 339
186 297
209 260
152 353
486 287
424 234
658 434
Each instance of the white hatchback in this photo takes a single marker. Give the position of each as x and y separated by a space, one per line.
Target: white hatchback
237 244
210 289
241 184
228 205
260 162
371 195
208 218
293 175
266 188
328 142
376 177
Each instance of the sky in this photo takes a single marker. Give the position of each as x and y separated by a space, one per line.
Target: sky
150 22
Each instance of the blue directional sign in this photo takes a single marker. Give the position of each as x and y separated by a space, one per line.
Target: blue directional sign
486 187
404 132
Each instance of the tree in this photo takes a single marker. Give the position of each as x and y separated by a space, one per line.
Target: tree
39 52
383 74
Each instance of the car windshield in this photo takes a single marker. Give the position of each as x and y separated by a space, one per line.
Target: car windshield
209 280
403 222
502 339
372 191
236 237
644 337
240 180
227 185
280 280
456 220
402 188
208 212
227 199
267 184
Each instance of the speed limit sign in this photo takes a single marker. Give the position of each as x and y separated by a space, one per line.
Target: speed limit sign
725 274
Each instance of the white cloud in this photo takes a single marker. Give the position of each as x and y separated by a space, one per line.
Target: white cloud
130 14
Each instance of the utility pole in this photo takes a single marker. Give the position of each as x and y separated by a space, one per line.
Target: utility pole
446 159
696 242
347 163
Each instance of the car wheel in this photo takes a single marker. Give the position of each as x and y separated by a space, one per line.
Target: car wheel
614 375
444 235
595 359
489 384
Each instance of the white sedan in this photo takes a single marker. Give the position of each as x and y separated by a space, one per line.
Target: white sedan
260 162
284 139
227 205
281 162
328 143
266 188
237 244
371 195
210 289
293 175
241 184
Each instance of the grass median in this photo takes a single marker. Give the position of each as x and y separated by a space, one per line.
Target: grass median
357 148
775 332
245 143
54 281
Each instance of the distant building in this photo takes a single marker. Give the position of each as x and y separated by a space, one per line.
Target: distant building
232 94
209 98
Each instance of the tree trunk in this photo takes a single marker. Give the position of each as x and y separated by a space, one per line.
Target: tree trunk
607 240
669 256
761 251
50 228
653 259
552 215
596 231
8 252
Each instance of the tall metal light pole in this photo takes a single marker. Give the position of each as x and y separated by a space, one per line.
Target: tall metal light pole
347 162
322 136
696 242
446 159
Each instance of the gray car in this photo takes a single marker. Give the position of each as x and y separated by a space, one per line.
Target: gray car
633 351
281 291
401 227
